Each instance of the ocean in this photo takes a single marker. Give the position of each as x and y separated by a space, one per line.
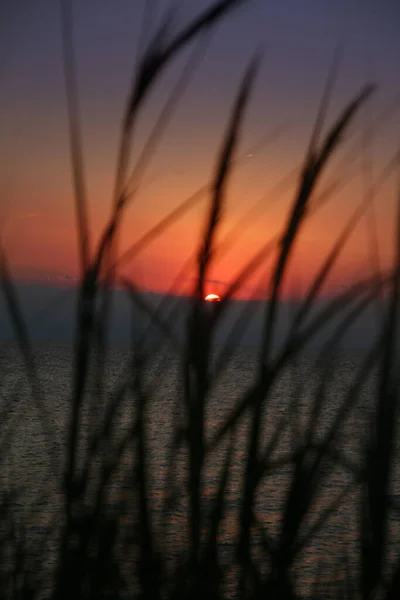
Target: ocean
34 429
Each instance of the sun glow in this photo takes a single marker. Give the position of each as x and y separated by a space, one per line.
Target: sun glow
212 298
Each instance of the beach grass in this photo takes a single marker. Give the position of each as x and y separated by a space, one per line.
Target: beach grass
89 559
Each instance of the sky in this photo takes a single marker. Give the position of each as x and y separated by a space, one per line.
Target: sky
299 40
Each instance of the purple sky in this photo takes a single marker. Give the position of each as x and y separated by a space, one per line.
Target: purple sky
300 39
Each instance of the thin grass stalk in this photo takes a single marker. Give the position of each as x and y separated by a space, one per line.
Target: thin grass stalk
182 209
158 130
85 319
327 96
322 198
297 388
156 57
160 51
74 484
237 230
307 479
149 567
328 354
351 399
312 171
210 571
207 250
220 250
154 60
117 397
148 17
246 512
22 337
323 518
255 262
381 452
325 269
179 436
87 326
196 367
333 308
134 179
299 207
353 153
150 68
137 366
236 333
75 135
183 275
371 225
163 325
348 158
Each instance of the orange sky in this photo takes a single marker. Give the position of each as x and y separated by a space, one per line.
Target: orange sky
39 230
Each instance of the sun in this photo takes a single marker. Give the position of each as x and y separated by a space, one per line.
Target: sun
212 298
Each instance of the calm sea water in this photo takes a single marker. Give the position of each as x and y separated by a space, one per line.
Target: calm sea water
34 438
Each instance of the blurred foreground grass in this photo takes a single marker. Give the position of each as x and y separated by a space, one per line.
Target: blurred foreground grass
117 545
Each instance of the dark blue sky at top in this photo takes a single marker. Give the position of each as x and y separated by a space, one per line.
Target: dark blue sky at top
299 37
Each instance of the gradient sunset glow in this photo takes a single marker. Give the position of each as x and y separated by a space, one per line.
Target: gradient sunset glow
38 212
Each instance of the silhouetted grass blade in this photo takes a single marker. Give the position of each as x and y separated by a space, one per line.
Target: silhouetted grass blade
75 135
199 332
311 174
381 451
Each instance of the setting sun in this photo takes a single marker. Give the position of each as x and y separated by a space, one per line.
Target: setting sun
212 298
